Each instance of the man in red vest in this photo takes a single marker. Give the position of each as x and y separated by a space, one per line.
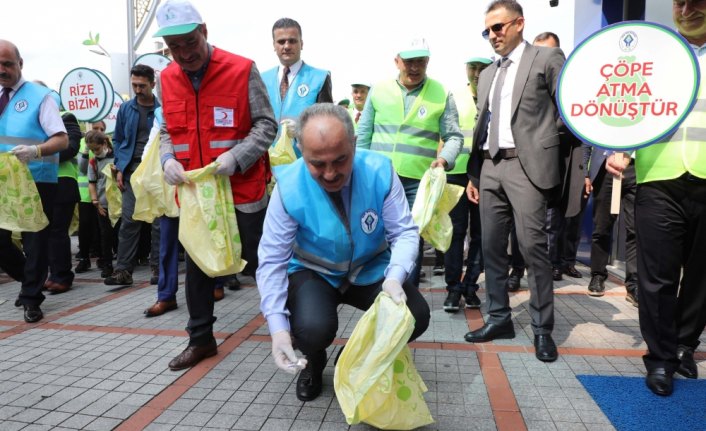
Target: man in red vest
215 109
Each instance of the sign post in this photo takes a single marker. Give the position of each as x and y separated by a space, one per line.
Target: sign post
618 89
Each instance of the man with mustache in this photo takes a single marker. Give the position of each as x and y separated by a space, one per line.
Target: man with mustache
405 118
338 231
31 128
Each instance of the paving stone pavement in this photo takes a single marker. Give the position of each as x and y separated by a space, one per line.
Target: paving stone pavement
96 363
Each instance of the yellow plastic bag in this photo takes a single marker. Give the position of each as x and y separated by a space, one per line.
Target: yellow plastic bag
113 195
207 226
435 200
73 227
20 205
153 196
281 153
375 379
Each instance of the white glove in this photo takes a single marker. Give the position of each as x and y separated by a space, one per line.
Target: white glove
283 353
226 164
393 288
291 126
174 172
25 153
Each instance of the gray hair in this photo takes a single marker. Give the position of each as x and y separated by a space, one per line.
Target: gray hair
325 110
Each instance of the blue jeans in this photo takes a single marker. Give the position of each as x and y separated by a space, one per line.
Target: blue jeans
168 259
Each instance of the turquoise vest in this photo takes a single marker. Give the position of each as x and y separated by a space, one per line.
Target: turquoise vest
19 125
302 93
359 251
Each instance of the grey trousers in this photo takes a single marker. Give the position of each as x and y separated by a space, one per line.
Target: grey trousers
506 194
129 234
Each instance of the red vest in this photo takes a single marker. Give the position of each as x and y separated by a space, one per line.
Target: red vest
206 124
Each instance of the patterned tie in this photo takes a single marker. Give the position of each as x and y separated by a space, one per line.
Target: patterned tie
4 99
284 84
494 143
357 117
338 203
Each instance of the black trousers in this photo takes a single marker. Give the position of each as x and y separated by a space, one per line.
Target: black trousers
32 268
199 286
313 306
461 214
670 218
562 237
88 230
108 233
60 243
603 222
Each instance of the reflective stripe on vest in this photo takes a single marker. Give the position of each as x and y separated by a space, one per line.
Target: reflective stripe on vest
410 140
467 120
684 151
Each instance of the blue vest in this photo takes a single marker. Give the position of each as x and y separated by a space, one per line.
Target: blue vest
19 125
358 251
302 93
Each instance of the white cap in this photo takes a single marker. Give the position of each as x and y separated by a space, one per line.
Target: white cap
418 47
176 17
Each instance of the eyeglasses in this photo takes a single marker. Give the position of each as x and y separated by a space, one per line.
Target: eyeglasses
497 28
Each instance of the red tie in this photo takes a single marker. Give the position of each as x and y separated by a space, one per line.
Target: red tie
284 84
357 117
4 99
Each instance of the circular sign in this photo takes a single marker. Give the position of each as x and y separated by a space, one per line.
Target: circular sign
112 116
83 93
110 95
618 89
158 62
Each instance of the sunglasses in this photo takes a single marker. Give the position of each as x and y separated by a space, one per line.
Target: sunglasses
497 28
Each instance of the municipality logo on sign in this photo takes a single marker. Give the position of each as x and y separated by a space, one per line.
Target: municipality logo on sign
628 41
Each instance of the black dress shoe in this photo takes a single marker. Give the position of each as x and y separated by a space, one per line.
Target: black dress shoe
556 274
17 302
596 287
545 348
571 271
33 313
310 379
687 367
513 280
192 355
491 331
660 381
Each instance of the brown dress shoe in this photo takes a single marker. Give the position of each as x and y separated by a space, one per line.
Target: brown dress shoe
161 307
218 294
192 355
56 288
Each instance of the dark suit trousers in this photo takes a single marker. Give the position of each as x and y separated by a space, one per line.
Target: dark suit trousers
313 304
30 267
199 286
562 237
59 241
603 222
506 194
453 258
670 218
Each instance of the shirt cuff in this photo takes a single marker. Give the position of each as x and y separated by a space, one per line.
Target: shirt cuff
166 157
397 272
278 322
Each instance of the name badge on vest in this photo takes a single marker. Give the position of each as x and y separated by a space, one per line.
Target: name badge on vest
223 117
422 112
303 90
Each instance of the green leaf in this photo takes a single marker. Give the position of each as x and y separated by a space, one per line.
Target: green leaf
90 35
88 42
97 38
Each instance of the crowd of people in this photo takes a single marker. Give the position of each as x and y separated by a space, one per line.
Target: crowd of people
337 228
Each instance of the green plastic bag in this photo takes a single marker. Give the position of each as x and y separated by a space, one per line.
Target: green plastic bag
207 227
113 195
435 200
281 153
153 196
375 379
20 205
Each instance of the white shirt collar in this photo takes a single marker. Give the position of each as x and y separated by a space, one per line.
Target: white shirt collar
293 69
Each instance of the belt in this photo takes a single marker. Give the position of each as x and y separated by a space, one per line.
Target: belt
503 153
